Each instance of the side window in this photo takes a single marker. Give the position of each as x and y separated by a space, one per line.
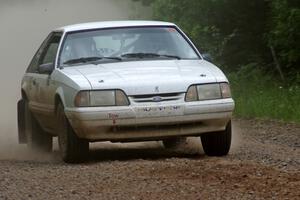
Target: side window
50 51
34 63
33 66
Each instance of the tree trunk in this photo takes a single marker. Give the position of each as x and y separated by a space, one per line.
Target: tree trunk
277 64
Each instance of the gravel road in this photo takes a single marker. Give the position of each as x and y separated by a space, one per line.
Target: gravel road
264 163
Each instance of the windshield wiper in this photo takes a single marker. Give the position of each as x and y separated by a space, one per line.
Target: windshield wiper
89 60
112 58
82 60
149 55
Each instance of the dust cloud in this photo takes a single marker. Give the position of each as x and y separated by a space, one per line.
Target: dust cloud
236 136
23 26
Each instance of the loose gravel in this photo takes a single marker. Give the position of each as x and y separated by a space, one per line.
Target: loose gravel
263 164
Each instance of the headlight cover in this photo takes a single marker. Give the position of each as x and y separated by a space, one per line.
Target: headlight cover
101 98
208 92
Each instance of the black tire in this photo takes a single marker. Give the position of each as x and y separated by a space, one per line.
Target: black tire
72 148
37 139
217 143
173 143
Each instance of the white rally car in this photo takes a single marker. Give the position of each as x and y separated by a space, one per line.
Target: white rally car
122 81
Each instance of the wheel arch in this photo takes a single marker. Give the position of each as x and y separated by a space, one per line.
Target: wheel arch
23 94
59 98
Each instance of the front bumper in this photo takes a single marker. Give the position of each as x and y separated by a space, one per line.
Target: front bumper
152 121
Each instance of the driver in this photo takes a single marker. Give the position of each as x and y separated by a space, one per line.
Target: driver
83 47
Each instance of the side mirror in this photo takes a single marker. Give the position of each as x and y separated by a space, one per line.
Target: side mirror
46 68
207 57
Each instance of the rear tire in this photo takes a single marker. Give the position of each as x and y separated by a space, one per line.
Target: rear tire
72 148
173 143
37 139
217 143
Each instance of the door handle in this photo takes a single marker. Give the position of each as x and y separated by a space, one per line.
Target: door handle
33 82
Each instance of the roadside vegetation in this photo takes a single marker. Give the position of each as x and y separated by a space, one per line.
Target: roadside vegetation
259 95
255 42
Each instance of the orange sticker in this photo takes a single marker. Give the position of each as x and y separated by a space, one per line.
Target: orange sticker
171 29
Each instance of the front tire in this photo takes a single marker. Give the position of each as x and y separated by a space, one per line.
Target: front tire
72 148
37 139
217 143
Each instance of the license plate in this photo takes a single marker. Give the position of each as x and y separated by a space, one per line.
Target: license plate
160 111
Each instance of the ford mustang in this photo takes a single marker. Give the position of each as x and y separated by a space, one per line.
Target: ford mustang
122 81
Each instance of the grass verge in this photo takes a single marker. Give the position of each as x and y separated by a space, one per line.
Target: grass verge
259 95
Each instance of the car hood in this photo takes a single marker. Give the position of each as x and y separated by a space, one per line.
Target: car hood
150 77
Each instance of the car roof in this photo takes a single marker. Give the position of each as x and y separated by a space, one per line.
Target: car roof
111 24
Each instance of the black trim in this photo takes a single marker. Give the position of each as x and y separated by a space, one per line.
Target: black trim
157 94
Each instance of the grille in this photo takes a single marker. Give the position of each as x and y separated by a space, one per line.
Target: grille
157 97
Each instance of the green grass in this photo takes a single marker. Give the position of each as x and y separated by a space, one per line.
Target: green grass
260 96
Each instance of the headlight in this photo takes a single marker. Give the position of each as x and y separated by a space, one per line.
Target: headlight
101 98
208 92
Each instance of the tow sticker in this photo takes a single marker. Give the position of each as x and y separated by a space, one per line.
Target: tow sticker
113 117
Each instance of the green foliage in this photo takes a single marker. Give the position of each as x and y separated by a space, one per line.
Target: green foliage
284 33
229 30
259 95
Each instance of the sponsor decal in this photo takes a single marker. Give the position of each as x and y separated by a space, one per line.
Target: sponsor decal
113 117
161 108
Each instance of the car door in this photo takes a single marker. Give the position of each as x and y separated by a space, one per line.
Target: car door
28 91
29 80
45 87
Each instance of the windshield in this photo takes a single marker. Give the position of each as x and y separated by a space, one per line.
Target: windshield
119 44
